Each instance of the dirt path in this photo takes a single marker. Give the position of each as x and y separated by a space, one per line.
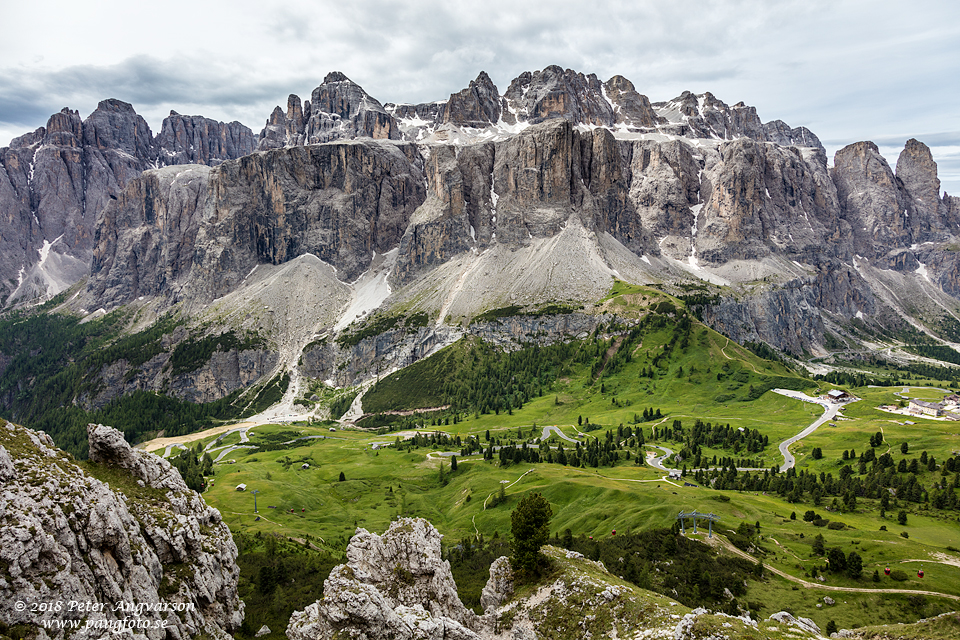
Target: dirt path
717 540
729 358
505 488
937 558
657 480
159 443
262 517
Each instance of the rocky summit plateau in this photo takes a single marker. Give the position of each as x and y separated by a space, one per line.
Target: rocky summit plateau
344 210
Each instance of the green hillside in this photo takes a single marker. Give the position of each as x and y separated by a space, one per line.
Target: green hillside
662 359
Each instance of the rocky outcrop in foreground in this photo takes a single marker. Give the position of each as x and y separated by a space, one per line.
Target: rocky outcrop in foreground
392 586
397 586
116 543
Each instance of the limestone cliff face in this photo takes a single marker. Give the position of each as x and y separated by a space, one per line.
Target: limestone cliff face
664 186
455 215
141 537
767 199
224 373
55 182
197 233
917 173
791 315
145 240
379 355
374 357
870 200
199 140
518 190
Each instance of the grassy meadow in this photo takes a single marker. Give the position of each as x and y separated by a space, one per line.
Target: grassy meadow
676 366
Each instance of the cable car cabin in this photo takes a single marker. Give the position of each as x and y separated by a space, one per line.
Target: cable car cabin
886 571
920 573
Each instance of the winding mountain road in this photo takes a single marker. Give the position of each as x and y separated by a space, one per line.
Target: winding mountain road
657 462
830 411
560 434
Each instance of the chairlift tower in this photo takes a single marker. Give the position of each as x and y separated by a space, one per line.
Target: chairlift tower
255 492
696 515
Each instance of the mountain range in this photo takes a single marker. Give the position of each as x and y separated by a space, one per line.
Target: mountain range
352 237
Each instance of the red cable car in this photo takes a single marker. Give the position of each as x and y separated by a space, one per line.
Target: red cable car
920 573
614 532
886 571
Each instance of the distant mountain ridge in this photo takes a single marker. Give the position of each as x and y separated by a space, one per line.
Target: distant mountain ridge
352 212
341 109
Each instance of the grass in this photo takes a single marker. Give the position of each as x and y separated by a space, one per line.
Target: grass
383 484
850 610
937 437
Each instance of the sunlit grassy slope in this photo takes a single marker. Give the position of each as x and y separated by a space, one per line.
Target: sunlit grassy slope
686 375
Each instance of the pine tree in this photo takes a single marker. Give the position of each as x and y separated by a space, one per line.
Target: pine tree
854 565
530 528
818 545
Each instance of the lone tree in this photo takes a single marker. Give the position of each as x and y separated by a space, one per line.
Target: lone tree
854 565
530 527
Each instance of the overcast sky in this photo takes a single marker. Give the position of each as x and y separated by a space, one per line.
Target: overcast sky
849 70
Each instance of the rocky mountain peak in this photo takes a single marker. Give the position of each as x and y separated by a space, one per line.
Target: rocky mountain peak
706 116
619 83
338 109
115 125
870 200
199 140
295 109
558 93
68 125
476 106
917 171
336 76
55 181
30 139
630 108
108 446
